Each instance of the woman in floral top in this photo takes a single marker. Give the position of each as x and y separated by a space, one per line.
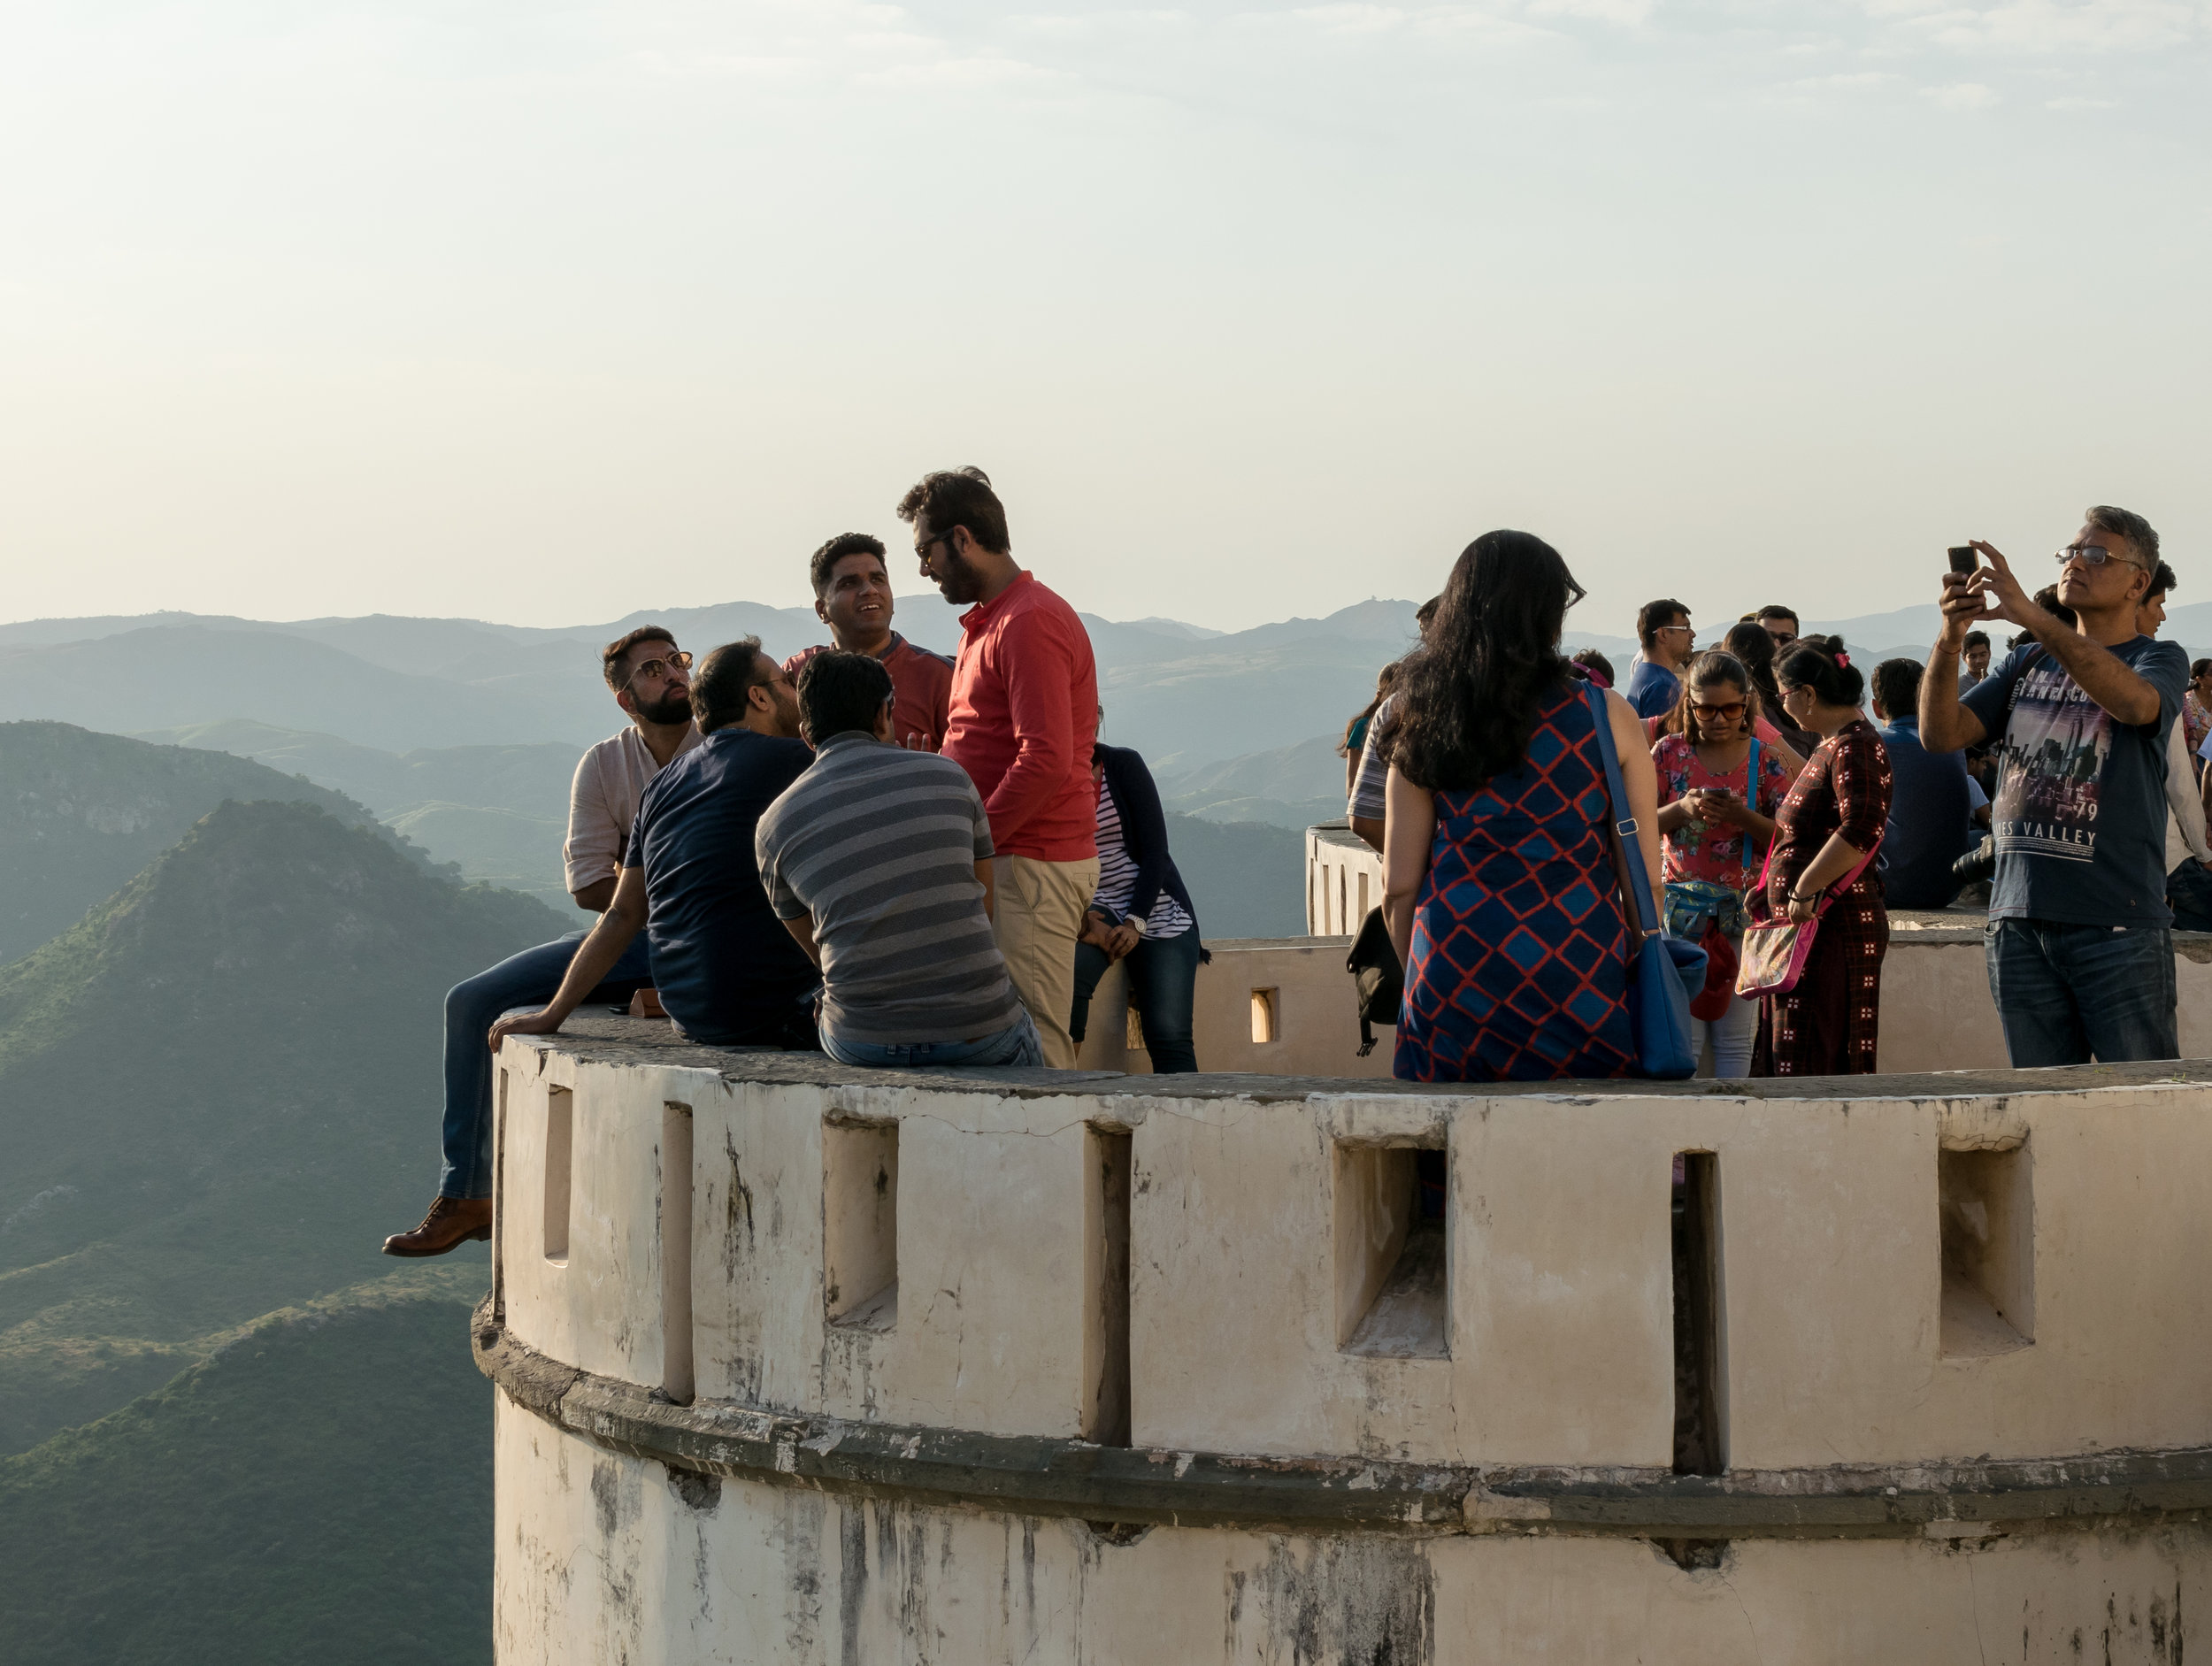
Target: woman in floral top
2196 711
1717 828
1829 824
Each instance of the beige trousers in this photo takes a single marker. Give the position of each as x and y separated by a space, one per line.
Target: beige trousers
1038 912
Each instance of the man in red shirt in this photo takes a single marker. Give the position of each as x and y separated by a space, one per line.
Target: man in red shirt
1025 714
852 595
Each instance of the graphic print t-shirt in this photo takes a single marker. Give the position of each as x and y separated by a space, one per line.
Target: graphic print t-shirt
2080 813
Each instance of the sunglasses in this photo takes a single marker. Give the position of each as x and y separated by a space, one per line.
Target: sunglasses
1733 710
659 667
2092 556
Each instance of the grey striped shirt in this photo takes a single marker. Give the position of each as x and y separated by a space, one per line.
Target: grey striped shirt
879 845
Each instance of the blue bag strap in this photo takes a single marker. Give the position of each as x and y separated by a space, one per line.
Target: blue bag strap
1624 824
1751 797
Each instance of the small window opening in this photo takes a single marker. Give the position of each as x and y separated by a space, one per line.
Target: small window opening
860 1225
1701 1432
1988 1229
676 1369
1393 1252
1133 1035
560 1124
1107 1410
1264 1005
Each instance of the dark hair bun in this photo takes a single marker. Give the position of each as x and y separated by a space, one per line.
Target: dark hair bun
1821 664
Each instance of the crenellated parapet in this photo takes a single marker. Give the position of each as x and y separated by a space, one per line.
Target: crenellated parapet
801 1363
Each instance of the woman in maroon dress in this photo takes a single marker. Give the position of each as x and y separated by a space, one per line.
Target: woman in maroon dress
1833 816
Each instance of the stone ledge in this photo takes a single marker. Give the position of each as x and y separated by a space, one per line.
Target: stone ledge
1036 1476
600 1038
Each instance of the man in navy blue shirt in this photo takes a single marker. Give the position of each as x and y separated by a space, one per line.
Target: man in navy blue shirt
2080 944
728 973
1655 681
1929 809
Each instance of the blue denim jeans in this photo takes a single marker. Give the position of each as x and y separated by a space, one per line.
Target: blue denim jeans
1017 1044
1163 982
528 980
2065 993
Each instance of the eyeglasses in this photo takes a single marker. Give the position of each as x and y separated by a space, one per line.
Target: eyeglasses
1692 629
659 667
1733 710
923 546
2092 556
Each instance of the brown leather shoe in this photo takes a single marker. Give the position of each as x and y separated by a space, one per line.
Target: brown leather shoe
452 1222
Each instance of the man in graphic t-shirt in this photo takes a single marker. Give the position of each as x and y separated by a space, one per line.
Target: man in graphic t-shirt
2080 944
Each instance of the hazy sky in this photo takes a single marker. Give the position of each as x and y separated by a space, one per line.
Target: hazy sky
541 313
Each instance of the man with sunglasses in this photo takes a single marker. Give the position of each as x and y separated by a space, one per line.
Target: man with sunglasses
852 595
2080 940
650 678
1654 681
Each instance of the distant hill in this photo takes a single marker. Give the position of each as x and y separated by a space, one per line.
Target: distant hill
397 684
81 814
218 1093
318 1489
500 812
1247 879
1290 787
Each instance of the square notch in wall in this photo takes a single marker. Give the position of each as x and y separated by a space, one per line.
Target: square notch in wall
1393 1238
1987 1204
860 1225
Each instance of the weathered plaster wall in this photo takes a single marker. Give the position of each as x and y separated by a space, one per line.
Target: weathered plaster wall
604 1558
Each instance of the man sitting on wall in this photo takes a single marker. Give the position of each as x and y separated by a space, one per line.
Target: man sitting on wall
852 595
877 860
727 972
651 680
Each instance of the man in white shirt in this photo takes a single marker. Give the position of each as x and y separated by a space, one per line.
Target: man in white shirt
651 680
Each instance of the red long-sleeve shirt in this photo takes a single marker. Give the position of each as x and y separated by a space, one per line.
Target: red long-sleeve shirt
1024 718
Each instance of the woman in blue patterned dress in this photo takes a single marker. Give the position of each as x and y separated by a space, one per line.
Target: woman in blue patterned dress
1500 885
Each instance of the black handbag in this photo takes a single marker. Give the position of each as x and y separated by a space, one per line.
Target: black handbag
1378 978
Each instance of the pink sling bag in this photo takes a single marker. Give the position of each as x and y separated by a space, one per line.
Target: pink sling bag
1774 952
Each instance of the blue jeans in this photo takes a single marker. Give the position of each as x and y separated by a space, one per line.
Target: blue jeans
2067 992
1017 1044
1163 982
528 980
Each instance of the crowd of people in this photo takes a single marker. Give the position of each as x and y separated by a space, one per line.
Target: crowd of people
2066 778
905 861
900 860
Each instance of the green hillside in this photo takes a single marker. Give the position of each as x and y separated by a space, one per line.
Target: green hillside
319 1489
218 1093
81 813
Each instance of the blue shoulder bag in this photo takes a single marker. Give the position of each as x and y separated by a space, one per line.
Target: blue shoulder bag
1664 972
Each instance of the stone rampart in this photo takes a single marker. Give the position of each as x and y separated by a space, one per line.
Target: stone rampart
800 1363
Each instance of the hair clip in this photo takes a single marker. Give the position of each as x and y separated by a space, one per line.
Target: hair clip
1843 660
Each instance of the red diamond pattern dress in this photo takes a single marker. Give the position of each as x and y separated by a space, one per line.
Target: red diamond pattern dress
1518 967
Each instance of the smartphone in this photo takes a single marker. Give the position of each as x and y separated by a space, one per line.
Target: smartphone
1964 560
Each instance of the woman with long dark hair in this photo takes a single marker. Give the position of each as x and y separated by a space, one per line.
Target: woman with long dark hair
1751 644
1827 1023
1500 882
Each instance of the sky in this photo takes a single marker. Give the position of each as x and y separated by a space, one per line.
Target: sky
539 313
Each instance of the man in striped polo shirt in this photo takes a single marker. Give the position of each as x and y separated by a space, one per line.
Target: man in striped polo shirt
878 861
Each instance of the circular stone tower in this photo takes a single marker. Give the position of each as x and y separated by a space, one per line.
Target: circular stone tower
810 1365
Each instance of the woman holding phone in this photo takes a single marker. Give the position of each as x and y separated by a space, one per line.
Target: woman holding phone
1719 789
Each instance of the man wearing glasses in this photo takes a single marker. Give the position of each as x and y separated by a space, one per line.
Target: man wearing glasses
2080 940
651 680
1778 622
1655 682
728 973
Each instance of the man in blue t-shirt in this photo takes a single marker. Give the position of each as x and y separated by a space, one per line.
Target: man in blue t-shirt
2080 941
1655 681
727 971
